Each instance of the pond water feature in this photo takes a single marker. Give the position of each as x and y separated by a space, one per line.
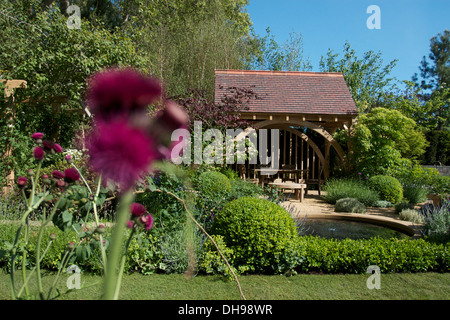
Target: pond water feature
341 229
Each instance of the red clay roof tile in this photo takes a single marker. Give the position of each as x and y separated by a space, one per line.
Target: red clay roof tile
290 92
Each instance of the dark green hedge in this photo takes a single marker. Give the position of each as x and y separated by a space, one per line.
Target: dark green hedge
355 256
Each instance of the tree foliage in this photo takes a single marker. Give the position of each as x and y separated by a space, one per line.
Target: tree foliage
185 41
55 61
367 78
384 141
267 54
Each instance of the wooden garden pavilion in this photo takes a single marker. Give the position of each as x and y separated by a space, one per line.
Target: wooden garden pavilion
299 104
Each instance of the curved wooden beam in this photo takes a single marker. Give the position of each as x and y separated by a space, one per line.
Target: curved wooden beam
309 125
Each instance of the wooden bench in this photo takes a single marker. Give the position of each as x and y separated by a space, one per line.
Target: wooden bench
297 187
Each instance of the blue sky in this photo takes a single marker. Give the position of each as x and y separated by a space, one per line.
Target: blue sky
406 27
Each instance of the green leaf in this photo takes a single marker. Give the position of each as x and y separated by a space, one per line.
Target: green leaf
67 216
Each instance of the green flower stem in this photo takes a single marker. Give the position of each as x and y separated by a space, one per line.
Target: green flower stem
102 247
111 279
33 185
33 270
38 247
94 205
62 265
122 265
24 256
82 178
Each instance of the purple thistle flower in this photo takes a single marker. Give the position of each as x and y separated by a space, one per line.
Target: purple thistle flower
38 153
22 182
37 135
147 221
57 174
68 158
57 148
71 175
121 153
119 92
48 145
137 209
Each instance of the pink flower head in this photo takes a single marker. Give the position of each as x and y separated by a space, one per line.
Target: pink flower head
147 221
137 209
57 174
37 135
38 153
71 175
57 148
172 117
130 224
118 92
22 182
121 153
68 158
48 144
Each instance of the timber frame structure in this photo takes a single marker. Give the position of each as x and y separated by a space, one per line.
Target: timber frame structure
294 102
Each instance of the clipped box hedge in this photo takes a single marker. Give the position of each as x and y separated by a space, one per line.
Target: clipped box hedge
355 256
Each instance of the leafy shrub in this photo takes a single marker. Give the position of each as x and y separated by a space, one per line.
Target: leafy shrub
414 193
336 189
437 222
167 211
390 255
411 215
144 254
241 188
261 234
230 173
212 263
388 188
214 192
399 207
383 204
175 252
349 205
214 184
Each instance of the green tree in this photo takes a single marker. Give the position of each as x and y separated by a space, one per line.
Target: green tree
56 62
436 72
186 40
435 97
383 142
368 80
267 54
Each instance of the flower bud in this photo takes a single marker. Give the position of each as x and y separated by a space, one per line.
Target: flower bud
22 182
100 229
71 246
52 236
60 183
57 174
30 172
46 179
37 135
68 158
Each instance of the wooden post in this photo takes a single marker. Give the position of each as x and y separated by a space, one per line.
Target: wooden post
10 85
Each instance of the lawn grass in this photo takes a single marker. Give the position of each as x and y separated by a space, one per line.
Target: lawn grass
401 286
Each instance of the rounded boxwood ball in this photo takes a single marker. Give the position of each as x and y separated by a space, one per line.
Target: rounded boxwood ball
214 184
389 188
262 234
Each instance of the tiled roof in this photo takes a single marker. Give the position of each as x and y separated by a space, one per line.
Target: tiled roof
290 92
